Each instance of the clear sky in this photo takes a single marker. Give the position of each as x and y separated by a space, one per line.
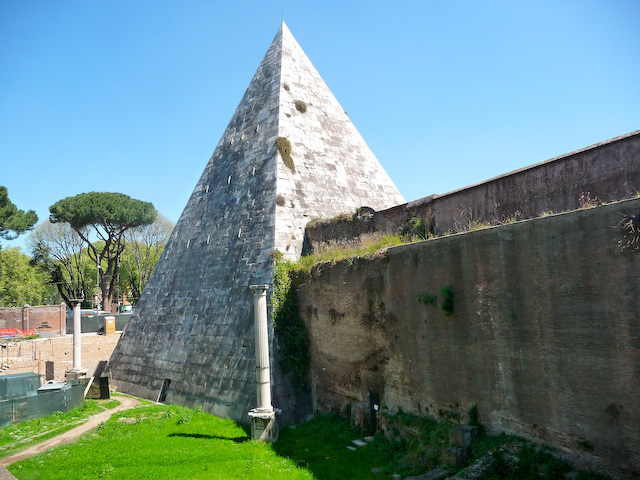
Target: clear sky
133 96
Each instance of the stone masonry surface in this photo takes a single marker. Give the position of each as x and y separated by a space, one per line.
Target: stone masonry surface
606 172
194 330
544 336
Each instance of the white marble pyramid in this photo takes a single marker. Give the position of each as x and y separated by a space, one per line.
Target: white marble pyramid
192 337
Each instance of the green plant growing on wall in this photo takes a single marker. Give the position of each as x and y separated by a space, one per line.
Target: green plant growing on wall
447 302
301 106
587 202
427 299
418 228
289 327
474 415
284 147
280 200
315 222
475 225
630 228
514 217
450 415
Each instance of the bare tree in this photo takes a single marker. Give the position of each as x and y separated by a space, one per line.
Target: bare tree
144 247
59 250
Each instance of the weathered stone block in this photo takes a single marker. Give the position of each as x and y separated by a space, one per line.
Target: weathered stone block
463 436
264 426
454 456
435 474
360 414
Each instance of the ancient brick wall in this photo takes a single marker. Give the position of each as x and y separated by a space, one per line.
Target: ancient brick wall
44 318
30 356
544 334
607 171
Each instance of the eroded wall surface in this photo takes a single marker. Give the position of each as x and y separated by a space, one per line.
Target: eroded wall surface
544 336
604 172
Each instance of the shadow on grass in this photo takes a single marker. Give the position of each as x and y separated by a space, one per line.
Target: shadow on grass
209 437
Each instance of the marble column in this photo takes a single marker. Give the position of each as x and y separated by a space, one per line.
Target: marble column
77 370
264 424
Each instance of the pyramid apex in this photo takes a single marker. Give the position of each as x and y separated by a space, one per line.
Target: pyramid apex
283 30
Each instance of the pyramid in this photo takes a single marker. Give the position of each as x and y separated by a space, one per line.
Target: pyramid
192 341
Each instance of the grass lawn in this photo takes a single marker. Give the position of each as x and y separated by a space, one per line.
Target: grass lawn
162 442
154 441
17 437
321 446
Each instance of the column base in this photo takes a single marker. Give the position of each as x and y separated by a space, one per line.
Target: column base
264 425
76 373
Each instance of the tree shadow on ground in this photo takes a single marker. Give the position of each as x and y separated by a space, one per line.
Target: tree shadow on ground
209 437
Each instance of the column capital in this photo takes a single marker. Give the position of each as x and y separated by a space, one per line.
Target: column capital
258 289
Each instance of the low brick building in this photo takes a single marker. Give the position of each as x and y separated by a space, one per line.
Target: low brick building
33 355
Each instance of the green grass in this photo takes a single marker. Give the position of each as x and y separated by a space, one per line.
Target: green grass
109 404
365 246
162 441
414 445
155 441
320 445
17 437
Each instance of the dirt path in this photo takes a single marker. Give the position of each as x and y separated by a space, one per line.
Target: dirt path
71 435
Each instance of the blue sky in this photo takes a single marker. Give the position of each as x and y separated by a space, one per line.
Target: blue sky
133 96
